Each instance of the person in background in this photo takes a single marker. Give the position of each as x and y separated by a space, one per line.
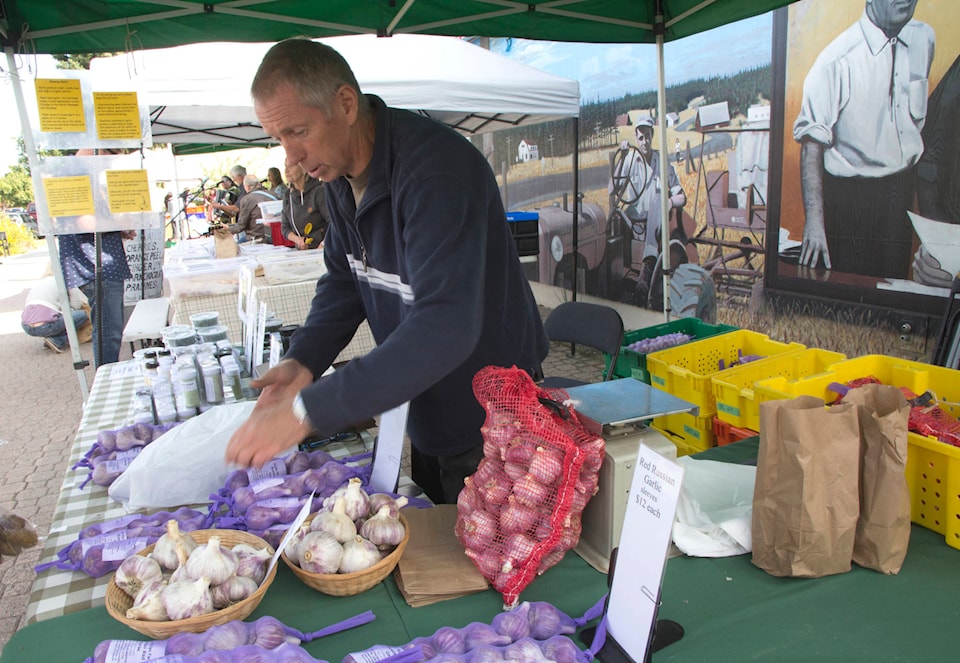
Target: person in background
248 219
227 210
859 129
275 183
43 316
304 218
418 246
78 259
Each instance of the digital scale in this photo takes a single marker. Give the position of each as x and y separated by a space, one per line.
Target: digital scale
617 411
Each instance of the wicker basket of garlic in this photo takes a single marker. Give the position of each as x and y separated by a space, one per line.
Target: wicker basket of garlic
351 544
190 581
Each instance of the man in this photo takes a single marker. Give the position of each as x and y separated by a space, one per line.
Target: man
249 215
226 211
859 130
418 246
641 197
43 316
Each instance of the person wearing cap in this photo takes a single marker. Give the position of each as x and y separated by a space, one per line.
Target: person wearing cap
641 167
248 218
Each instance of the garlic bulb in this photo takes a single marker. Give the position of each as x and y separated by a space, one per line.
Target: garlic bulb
183 600
148 605
180 571
232 590
378 500
252 562
358 554
319 552
357 503
382 529
212 561
135 572
335 522
165 552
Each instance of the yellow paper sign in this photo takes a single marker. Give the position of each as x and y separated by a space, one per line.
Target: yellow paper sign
60 105
128 191
118 116
69 196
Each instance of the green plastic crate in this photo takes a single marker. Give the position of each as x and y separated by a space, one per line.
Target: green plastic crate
632 364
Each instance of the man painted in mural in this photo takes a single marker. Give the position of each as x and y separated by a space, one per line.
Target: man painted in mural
860 122
641 199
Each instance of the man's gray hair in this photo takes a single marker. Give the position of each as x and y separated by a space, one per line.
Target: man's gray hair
251 181
238 172
314 70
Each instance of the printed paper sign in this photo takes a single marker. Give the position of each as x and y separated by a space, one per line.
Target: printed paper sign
642 553
118 115
69 196
128 191
60 105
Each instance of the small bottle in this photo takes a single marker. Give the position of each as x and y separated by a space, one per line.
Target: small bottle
150 372
143 407
189 390
212 380
231 377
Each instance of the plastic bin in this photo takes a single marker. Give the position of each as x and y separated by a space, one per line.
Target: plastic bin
738 402
525 228
288 266
691 434
728 433
633 364
205 277
686 371
933 467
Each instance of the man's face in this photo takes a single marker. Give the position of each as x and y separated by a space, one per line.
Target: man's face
644 138
890 15
318 143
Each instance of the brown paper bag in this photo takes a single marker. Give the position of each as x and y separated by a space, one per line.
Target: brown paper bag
805 500
883 529
224 244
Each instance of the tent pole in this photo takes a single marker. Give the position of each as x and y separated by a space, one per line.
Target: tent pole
664 181
575 239
31 150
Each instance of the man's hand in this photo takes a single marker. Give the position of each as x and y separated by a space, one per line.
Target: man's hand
272 427
298 241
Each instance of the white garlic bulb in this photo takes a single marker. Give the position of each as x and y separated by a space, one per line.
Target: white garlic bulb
148 605
135 572
212 561
382 529
180 571
183 600
165 549
358 555
335 522
252 562
232 590
356 500
319 552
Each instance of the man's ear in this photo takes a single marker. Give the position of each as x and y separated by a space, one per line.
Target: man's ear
346 102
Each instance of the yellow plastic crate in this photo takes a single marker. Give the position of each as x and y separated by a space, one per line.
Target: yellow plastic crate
738 402
689 433
686 370
933 467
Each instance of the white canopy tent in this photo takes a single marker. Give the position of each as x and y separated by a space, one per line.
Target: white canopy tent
199 93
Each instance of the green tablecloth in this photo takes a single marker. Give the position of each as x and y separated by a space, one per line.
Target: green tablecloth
730 610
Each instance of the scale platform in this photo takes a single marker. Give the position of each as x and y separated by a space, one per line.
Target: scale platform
603 405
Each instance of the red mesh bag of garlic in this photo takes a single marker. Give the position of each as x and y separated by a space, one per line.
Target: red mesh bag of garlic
519 513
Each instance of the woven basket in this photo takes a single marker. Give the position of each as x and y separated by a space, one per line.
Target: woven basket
118 601
349 584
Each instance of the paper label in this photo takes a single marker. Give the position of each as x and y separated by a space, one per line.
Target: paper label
117 551
117 465
128 191
280 502
294 528
134 651
128 454
101 539
272 468
118 115
374 654
60 105
69 196
261 485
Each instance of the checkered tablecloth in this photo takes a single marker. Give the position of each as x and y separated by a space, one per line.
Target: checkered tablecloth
290 302
109 406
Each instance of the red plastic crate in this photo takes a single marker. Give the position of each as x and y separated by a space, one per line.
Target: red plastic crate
277 236
727 433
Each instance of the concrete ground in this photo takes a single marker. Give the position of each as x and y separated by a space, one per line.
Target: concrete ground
41 407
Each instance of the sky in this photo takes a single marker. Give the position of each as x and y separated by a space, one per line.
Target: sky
605 71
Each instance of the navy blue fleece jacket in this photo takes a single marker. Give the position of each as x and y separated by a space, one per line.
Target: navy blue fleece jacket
429 261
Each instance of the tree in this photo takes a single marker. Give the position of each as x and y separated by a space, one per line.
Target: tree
77 60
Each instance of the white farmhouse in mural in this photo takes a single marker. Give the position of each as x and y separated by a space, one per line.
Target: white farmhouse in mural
527 152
